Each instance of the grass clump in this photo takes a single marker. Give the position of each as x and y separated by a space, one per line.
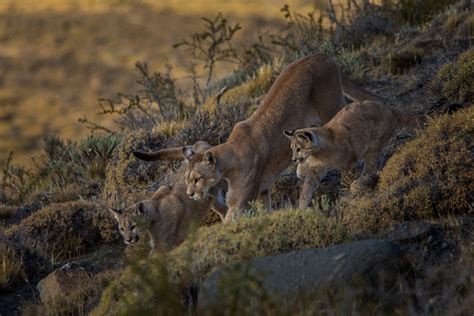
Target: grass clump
128 179
456 80
214 246
429 177
11 266
66 230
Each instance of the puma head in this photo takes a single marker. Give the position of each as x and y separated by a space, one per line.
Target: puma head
304 142
202 172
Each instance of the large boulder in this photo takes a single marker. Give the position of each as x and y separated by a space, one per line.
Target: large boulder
303 273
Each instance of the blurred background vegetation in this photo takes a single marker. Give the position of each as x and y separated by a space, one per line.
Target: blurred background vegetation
57 57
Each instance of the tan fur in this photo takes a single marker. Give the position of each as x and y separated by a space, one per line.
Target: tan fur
169 213
167 218
215 197
358 132
307 92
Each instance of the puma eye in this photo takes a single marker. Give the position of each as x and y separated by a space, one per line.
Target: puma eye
132 227
196 180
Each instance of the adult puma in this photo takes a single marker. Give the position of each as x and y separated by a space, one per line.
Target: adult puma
307 92
358 132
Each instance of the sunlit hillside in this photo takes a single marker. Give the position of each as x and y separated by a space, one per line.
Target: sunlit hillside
57 57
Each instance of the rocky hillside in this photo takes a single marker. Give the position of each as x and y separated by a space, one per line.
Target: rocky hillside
404 247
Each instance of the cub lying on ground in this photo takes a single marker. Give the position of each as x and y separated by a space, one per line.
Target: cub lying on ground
358 132
306 93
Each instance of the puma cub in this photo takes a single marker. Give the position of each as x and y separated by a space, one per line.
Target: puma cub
167 218
358 132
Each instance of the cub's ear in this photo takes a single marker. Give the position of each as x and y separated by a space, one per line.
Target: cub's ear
115 213
140 209
309 136
314 138
209 158
200 146
289 134
188 152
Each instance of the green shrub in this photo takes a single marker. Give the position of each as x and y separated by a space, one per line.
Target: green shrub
431 176
66 230
215 246
456 80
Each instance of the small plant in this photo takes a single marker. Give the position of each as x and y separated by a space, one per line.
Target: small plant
211 46
15 183
157 101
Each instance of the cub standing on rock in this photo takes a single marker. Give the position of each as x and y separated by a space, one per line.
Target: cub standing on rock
359 131
307 92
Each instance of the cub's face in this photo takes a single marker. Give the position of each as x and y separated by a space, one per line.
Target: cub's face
202 173
130 222
302 144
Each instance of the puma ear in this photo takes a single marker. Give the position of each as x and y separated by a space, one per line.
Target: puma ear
140 209
188 152
309 136
209 158
313 137
289 134
115 213
200 146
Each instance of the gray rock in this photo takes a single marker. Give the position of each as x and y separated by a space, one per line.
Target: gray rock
309 271
62 282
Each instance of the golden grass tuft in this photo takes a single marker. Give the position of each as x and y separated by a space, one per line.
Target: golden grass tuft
11 266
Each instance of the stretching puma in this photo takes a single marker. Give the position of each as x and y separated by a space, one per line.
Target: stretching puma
167 217
358 132
307 92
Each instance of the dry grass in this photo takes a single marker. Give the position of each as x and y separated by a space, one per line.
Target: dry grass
11 266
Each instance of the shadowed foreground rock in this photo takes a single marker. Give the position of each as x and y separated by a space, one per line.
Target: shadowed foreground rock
307 272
